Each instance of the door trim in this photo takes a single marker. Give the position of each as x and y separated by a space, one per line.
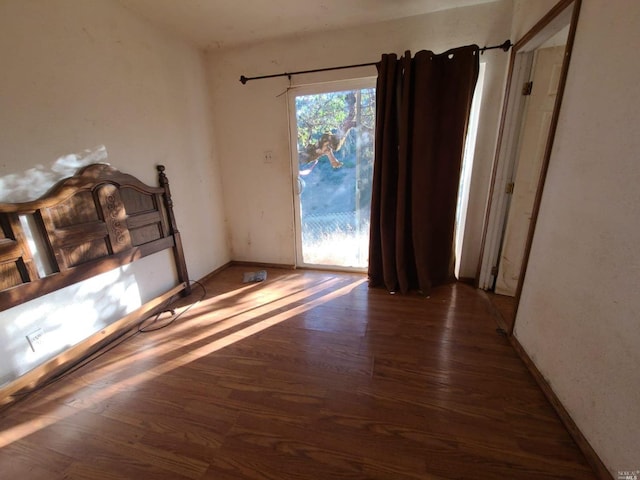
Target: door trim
564 13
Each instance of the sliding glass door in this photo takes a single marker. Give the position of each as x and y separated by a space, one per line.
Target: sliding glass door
332 135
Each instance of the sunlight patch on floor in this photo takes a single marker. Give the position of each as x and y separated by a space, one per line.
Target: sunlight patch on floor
275 314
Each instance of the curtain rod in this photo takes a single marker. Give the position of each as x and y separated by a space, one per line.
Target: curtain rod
505 46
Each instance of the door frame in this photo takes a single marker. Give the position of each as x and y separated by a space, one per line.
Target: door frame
292 93
546 66
562 14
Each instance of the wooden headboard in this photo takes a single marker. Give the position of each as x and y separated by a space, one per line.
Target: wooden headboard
95 221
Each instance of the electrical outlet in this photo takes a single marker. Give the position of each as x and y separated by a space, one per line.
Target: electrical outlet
36 339
268 156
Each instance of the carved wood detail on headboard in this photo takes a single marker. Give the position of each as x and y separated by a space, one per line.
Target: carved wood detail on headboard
87 224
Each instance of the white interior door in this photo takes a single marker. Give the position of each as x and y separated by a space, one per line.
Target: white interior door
539 106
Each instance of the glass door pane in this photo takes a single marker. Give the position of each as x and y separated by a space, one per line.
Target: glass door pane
334 143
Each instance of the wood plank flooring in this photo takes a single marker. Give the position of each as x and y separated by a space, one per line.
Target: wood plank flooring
505 310
309 375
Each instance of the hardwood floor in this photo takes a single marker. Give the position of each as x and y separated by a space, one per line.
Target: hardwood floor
505 310
309 375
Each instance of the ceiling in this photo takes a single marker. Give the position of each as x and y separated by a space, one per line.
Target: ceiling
211 24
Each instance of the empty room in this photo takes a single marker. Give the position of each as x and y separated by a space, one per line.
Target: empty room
319 240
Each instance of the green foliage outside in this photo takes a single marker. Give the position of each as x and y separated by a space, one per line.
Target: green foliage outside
327 112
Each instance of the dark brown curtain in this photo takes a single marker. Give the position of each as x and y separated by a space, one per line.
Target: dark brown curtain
422 111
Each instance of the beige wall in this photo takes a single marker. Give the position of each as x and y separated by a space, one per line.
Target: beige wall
580 309
77 74
526 13
253 118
